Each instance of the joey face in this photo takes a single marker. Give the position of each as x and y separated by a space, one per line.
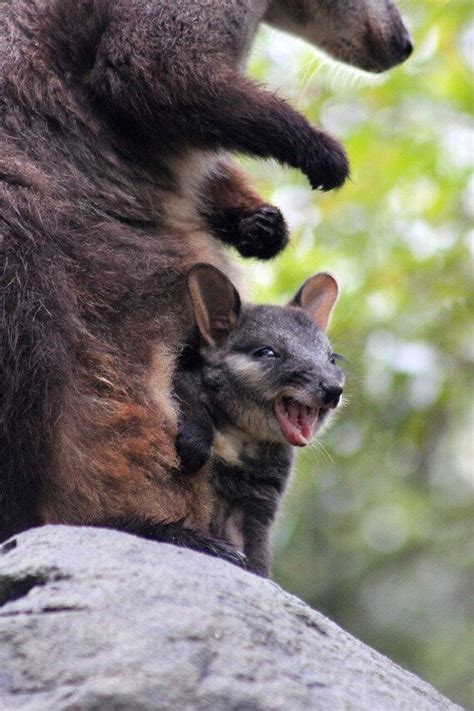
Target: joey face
369 34
276 378
273 375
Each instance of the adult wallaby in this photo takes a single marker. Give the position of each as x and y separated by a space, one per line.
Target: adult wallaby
113 118
253 381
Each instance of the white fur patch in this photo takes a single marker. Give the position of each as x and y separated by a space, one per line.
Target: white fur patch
231 444
228 446
248 371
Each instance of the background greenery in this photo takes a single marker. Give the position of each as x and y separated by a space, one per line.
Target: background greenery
377 529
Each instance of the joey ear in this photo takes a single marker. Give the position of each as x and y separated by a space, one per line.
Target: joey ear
317 297
215 302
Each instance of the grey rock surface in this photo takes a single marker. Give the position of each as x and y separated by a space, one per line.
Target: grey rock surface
96 619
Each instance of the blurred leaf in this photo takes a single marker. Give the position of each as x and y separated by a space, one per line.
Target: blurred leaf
377 529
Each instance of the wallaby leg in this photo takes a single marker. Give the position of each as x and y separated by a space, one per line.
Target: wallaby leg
176 534
238 216
235 114
173 99
256 536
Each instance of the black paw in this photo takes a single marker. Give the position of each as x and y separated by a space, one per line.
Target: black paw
193 450
192 455
262 234
326 165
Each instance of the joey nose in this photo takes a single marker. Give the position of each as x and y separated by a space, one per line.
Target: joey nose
331 394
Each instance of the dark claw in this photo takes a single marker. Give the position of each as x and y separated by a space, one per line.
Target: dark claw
227 552
265 228
270 211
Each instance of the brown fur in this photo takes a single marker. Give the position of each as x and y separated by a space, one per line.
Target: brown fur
97 230
114 115
231 190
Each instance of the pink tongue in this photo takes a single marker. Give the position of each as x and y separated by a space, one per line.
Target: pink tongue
296 422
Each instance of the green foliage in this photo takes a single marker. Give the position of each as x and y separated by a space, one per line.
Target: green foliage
377 529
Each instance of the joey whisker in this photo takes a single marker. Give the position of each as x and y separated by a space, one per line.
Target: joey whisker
319 455
320 445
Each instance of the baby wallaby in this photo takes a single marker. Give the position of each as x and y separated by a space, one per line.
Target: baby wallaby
254 382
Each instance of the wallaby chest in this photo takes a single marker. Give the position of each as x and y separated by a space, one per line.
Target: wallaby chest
248 478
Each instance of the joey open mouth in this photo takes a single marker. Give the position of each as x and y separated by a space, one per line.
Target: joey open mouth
297 421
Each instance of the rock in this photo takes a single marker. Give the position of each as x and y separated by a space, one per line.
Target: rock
97 619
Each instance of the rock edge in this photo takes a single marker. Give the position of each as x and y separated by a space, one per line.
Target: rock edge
98 619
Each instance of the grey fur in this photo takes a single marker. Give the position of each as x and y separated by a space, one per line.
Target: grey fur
236 383
228 387
369 34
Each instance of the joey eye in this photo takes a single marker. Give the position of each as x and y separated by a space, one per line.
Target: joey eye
335 357
265 352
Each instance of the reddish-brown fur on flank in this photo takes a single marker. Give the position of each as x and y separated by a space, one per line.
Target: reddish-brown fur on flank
231 190
87 434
